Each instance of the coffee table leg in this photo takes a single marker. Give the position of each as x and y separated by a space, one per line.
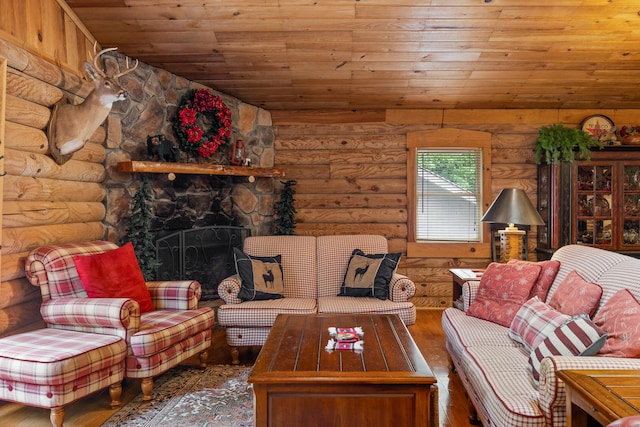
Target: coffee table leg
434 415
259 405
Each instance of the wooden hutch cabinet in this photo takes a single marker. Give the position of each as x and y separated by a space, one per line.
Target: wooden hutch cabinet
595 202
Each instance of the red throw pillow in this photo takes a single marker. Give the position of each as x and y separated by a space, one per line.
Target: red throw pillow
620 318
114 274
548 272
576 296
503 289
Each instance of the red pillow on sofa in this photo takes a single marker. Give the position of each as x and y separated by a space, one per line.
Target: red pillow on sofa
620 318
548 271
576 296
114 274
503 289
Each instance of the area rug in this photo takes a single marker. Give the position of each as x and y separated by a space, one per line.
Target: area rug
193 397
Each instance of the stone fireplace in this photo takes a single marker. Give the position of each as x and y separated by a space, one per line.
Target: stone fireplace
190 201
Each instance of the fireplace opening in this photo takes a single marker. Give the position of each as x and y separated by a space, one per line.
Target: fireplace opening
204 254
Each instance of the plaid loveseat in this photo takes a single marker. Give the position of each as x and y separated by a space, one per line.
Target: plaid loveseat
313 272
494 368
156 340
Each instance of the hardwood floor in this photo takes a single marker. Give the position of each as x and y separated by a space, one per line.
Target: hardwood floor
93 410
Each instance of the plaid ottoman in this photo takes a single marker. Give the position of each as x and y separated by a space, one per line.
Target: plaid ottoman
50 368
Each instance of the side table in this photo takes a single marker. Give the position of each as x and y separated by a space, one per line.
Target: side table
460 277
604 395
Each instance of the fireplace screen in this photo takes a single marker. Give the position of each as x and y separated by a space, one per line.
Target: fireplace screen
204 254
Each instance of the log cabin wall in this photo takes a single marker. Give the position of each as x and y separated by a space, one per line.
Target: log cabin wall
42 46
350 168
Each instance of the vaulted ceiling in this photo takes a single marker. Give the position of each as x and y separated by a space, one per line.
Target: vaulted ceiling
369 54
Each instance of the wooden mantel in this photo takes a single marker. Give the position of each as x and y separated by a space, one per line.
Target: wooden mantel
197 169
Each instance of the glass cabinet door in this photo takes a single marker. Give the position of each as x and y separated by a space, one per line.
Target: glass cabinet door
543 204
631 206
594 197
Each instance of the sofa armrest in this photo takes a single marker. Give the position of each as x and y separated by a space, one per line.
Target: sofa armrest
175 294
92 314
401 288
469 293
552 392
229 289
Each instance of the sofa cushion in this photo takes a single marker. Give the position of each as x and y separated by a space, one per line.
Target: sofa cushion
464 331
357 305
333 257
260 277
577 337
548 271
576 296
534 321
503 289
263 313
114 274
299 261
499 376
619 317
368 275
162 329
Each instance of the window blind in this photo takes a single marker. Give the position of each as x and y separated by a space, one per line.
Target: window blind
449 187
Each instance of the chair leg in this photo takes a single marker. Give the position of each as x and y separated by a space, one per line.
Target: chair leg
203 358
473 414
57 416
115 391
452 367
235 356
147 386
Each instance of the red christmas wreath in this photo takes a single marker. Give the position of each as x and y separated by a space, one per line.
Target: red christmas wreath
203 122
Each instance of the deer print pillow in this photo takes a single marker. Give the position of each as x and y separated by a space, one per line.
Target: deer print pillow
260 277
369 275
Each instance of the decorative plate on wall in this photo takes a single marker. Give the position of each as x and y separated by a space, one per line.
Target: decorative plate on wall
598 125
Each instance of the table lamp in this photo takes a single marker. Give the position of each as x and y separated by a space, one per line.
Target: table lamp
512 206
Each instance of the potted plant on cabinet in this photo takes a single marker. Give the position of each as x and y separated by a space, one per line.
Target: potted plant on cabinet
557 143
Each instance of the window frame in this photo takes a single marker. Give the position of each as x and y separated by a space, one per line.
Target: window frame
447 138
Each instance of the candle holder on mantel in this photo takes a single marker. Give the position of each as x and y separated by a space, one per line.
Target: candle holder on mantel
238 153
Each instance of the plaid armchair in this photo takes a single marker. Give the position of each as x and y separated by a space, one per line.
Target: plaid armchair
156 341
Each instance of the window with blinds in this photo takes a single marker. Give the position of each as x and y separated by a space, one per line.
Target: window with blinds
449 195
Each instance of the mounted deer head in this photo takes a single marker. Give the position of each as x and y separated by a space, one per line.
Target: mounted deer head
71 126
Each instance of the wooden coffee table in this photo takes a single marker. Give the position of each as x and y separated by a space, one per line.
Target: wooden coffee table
604 395
297 382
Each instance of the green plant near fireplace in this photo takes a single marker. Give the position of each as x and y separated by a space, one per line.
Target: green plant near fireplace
285 222
557 143
138 224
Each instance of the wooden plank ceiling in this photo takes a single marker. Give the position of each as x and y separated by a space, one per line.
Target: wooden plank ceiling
369 54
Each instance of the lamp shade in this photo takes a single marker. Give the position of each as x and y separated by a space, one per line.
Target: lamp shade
512 206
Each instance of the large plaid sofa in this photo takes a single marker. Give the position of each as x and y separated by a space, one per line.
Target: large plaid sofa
313 272
156 340
494 369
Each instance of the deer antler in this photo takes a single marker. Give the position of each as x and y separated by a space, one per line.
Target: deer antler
102 72
127 70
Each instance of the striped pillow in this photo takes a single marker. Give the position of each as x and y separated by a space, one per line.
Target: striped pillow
577 337
534 321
